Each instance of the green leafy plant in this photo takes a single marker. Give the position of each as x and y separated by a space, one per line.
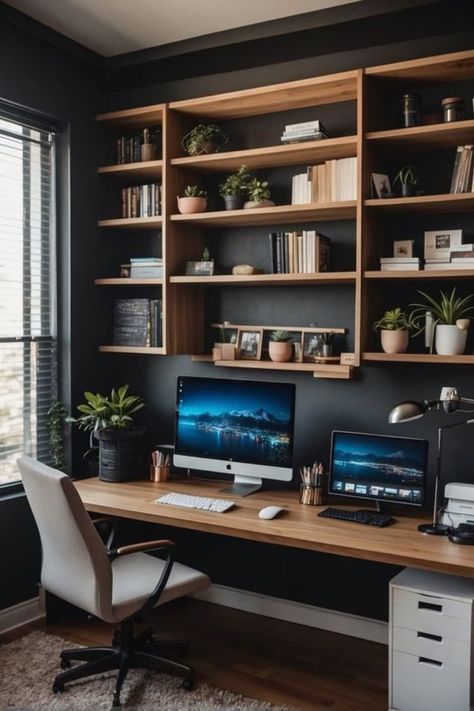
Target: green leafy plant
102 412
56 418
395 320
280 336
257 190
194 191
407 175
204 138
235 183
446 310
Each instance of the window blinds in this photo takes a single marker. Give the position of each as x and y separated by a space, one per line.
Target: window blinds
28 345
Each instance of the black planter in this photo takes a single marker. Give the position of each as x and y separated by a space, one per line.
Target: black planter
407 190
233 202
121 455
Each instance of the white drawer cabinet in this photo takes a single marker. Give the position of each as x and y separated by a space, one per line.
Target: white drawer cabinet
431 642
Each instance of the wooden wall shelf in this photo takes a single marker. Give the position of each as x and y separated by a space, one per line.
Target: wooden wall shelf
431 274
144 169
133 223
455 66
418 358
139 350
459 202
268 279
319 370
141 117
128 281
441 135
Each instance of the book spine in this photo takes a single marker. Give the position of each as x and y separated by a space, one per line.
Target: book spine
454 177
279 253
273 253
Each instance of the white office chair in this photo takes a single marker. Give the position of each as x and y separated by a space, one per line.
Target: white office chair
115 585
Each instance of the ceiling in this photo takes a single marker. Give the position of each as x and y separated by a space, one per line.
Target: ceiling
111 27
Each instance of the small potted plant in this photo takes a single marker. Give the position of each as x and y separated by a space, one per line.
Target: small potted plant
234 188
258 194
203 139
327 344
394 327
451 315
280 347
109 419
192 200
408 179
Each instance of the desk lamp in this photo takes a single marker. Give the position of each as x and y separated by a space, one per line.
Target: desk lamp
449 402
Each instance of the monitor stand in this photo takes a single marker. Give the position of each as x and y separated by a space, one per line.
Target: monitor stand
380 507
243 486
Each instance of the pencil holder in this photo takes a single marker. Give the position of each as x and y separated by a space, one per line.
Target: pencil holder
312 495
159 473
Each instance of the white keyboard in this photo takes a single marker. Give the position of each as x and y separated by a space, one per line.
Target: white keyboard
196 502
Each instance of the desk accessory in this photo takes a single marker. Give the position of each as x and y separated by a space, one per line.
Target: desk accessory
160 466
370 518
270 512
313 485
449 402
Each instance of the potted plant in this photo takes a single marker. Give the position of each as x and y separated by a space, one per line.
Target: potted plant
234 188
109 419
408 178
451 316
258 194
203 139
394 327
327 343
280 347
192 200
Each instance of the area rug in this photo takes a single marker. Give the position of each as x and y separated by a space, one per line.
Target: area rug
29 665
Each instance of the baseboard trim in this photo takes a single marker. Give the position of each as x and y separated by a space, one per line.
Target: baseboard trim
21 614
297 612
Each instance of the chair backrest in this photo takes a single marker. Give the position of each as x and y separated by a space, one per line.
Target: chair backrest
75 564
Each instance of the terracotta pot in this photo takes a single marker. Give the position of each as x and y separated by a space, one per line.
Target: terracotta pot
190 205
394 341
450 340
280 351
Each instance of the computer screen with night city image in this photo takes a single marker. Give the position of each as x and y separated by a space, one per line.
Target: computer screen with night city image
378 467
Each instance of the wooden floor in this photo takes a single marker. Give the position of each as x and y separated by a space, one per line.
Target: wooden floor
262 658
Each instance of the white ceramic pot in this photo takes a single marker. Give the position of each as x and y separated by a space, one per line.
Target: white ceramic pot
191 205
251 204
450 340
280 351
394 341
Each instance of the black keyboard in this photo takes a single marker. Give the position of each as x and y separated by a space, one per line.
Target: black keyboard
368 517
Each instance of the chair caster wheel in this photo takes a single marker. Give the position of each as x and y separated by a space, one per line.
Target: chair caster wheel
188 683
58 688
116 703
65 664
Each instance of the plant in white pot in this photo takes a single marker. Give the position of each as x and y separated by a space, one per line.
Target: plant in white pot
394 327
451 315
192 200
109 419
258 194
280 347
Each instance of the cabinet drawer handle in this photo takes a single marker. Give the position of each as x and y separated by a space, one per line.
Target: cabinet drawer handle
429 606
432 637
431 662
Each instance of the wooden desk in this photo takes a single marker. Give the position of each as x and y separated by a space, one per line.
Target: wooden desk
300 527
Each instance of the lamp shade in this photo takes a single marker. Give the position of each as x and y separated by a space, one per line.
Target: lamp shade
407 411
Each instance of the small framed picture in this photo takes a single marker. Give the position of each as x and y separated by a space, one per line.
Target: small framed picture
381 187
200 268
440 243
249 343
403 248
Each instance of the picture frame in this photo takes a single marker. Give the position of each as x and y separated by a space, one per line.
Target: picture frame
200 268
403 248
249 343
381 187
438 244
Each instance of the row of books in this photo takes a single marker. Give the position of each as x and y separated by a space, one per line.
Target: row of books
138 322
462 180
331 181
146 267
141 200
303 252
304 131
129 148
457 260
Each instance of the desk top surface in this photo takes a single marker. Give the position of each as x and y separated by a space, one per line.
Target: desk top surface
298 527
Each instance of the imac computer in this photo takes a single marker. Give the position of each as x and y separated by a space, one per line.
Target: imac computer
378 467
238 427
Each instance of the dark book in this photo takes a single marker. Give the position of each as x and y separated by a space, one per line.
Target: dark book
286 255
279 252
131 322
273 252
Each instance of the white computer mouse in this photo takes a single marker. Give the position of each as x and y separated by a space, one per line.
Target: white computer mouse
270 511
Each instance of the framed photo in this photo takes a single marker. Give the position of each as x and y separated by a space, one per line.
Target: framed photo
440 243
249 343
200 268
381 185
403 248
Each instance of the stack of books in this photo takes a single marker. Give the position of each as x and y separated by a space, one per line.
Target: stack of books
462 180
129 147
331 181
305 131
138 322
141 200
146 267
402 264
461 257
304 252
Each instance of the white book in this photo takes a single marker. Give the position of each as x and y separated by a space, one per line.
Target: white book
399 267
462 260
304 125
442 266
463 248
399 260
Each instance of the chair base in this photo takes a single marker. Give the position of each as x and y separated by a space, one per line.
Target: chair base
126 652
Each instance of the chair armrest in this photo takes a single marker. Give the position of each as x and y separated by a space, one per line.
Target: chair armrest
110 526
145 546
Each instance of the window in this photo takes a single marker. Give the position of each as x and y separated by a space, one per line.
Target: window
28 342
